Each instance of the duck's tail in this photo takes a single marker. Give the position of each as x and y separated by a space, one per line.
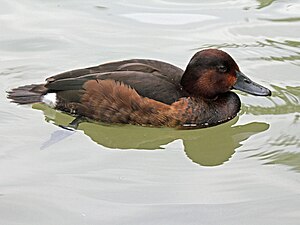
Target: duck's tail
27 94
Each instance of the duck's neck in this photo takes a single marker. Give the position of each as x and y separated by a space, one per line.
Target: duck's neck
205 113
188 81
197 84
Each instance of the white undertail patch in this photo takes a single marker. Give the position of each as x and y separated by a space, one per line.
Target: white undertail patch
50 99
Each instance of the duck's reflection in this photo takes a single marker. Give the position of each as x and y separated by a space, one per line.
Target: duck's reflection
207 147
214 146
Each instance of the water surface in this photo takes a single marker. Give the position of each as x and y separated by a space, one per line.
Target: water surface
245 171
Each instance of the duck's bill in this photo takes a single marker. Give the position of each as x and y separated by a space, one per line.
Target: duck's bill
244 84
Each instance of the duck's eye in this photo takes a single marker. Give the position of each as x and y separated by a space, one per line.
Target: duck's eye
222 68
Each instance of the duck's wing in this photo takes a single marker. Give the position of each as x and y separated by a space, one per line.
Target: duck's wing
161 83
169 71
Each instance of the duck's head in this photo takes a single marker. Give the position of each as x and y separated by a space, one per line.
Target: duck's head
212 72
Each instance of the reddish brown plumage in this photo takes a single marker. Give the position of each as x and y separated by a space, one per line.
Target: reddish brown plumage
114 102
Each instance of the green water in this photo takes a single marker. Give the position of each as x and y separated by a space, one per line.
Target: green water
245 171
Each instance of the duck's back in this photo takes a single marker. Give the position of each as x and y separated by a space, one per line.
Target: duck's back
150 78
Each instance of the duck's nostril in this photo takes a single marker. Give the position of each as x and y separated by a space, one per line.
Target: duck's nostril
247 81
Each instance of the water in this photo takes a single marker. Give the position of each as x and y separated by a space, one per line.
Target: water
245 171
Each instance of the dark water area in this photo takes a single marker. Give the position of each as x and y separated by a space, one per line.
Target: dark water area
245 171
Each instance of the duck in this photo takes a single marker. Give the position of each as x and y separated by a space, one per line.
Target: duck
148 92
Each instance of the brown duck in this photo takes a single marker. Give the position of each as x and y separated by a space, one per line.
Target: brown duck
148 92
